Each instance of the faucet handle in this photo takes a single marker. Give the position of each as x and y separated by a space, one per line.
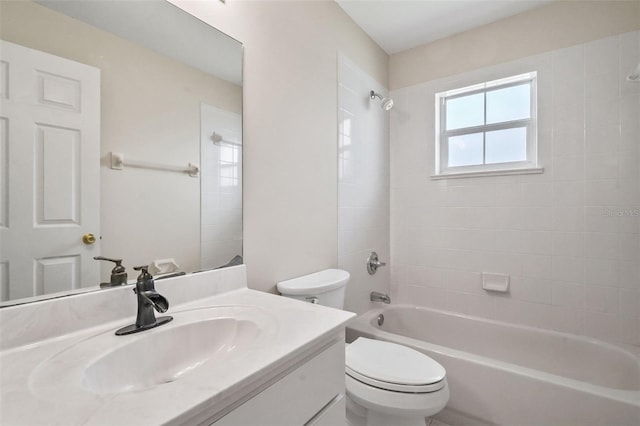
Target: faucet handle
373 263
118 262
118 273
144 272
145 280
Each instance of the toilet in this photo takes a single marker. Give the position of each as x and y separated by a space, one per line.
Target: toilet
386 383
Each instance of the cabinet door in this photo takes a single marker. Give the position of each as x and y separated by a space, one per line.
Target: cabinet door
333 414
298 397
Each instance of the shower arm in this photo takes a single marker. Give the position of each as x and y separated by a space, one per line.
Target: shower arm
387 103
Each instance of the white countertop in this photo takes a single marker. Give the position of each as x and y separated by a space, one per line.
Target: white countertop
292 331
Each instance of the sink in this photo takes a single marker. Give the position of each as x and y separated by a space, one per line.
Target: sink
104 364
164 356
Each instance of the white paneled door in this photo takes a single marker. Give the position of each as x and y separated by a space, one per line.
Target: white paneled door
49 173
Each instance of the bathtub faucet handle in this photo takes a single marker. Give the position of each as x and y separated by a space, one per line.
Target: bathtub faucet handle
373 263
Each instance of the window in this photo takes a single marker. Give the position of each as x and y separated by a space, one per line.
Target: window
489 128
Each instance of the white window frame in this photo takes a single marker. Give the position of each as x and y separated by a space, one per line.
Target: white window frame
530 165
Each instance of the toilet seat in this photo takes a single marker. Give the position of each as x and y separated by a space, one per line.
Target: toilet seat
396 387
393 367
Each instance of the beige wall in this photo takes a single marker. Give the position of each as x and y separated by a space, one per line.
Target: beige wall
290 127
150 111
560 24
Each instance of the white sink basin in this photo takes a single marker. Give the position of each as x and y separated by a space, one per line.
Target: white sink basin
164 356
109 364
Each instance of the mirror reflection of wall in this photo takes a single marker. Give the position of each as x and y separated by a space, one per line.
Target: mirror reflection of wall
150 110
221 202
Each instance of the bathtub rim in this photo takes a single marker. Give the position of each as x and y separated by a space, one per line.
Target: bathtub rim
362 324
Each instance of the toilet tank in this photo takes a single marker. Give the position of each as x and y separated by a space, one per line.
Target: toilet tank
324 287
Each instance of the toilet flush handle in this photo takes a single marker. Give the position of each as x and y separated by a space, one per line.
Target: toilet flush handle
312 299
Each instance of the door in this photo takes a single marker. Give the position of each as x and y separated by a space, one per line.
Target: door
49 173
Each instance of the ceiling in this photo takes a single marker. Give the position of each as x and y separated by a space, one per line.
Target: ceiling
398 25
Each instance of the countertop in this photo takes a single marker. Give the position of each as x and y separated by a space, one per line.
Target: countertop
292 330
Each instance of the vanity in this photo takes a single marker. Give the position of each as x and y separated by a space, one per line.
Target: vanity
231 356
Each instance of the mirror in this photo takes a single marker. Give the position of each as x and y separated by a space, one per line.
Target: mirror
120 136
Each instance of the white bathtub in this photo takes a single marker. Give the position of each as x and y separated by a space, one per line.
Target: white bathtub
514 375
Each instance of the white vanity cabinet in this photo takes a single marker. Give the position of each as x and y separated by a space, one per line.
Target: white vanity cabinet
310 394
286 368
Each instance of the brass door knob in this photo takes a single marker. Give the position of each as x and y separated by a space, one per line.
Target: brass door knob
88 239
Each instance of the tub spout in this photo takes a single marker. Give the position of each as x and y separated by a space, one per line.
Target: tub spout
380 297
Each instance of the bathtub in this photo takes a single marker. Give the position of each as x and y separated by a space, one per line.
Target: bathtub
505 374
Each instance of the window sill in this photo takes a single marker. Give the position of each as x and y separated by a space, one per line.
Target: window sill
528 171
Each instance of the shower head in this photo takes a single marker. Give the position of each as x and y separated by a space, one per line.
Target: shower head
387 103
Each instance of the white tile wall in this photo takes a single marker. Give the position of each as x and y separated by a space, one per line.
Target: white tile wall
363 184
569 238
221 188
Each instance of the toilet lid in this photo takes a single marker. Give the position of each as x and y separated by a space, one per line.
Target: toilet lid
316 283
392 366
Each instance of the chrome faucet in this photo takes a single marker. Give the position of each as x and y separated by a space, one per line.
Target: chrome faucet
379 297
148 300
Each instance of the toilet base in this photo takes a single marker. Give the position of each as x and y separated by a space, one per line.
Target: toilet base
381 419
360 416
363 413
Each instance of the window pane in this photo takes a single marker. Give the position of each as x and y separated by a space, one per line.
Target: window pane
465 150
511 103
508 145
465 111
